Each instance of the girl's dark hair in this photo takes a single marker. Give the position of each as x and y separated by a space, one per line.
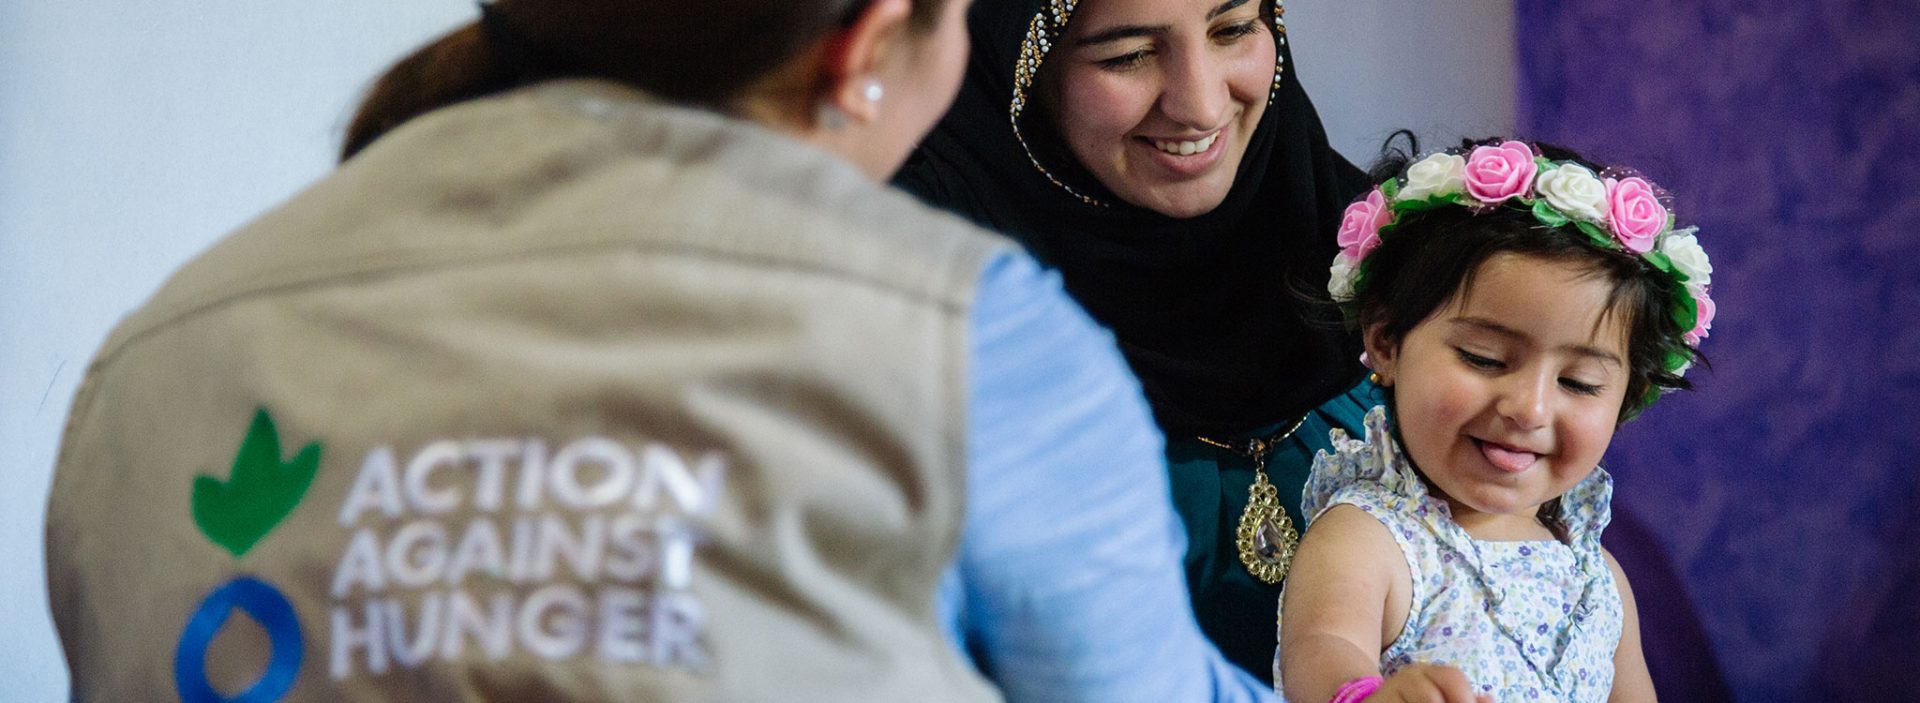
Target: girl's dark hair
1430 256
701 53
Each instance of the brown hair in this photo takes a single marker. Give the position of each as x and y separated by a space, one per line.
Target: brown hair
702 53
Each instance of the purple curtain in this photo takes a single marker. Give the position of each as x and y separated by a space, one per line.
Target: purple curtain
1766 519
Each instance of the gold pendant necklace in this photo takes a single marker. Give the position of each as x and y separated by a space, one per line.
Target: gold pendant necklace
1266 536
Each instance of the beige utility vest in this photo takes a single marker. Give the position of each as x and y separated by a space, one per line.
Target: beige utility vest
562 395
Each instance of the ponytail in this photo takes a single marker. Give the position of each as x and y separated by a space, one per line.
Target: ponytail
460 66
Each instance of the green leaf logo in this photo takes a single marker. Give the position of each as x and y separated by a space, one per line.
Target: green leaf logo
238 512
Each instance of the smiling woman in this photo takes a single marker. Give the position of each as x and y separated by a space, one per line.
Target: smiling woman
1163 157
1159 100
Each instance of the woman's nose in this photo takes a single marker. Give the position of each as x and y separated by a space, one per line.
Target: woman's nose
1195 93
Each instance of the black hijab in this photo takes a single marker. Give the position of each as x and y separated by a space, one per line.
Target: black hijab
1209 310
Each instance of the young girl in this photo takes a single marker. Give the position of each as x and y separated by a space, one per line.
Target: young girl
1516 304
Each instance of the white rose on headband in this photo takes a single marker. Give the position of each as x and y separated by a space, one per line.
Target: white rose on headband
1438 174
1574 191
1340 282
1684 249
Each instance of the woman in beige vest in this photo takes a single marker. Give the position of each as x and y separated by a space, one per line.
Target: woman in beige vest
605 368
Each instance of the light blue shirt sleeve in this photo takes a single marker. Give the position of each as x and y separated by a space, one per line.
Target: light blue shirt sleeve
1067 585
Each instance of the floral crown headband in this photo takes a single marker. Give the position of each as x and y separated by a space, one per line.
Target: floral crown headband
1616 208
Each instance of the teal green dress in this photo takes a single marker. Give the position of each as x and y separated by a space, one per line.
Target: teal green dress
1210 486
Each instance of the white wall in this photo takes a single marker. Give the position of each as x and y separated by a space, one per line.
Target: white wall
1442 69
134 134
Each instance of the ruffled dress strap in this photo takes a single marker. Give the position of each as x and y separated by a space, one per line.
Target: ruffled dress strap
1361 471
1374 475
1585 511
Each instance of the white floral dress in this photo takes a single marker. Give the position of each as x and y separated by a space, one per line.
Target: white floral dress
1525 621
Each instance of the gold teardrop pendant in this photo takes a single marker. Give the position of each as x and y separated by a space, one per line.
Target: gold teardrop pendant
1266 536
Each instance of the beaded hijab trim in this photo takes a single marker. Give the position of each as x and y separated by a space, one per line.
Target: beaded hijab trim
1047 27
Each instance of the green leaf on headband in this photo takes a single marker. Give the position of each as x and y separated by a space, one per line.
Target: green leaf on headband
1405 206
1665 264
1675 359
1686 312
1599 236
1547 215
1390 188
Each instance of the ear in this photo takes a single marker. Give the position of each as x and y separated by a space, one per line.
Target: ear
855 58
1381 351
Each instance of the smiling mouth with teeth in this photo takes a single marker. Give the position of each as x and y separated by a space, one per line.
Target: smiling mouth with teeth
1186 148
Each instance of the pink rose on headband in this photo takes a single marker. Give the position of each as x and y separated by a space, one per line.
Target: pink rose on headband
1497 173
1702 321
1634 213
1360 227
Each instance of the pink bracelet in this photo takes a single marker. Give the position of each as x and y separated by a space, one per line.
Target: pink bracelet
1356 690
